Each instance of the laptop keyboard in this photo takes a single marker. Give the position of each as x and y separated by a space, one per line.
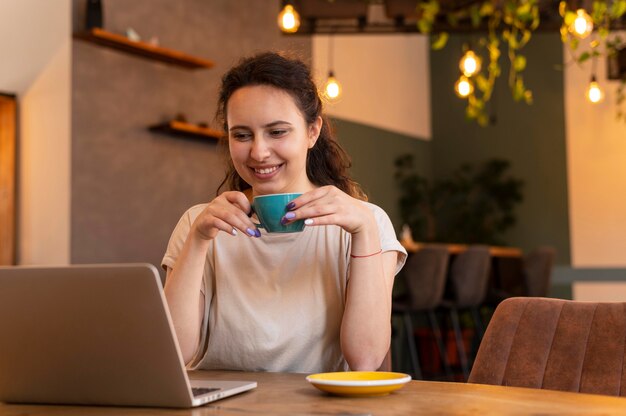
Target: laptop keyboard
199 391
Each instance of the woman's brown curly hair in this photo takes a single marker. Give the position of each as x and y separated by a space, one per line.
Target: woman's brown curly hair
327 162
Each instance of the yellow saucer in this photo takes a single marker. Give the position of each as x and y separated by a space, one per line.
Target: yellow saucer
359 383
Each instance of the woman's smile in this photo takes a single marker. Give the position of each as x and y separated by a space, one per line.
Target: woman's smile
266 172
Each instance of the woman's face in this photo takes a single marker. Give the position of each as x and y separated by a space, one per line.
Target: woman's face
268 140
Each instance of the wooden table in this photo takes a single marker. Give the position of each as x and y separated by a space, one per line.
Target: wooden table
291 394
495 251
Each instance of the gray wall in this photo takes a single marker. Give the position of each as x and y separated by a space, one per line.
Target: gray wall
129 185
531 137
373 152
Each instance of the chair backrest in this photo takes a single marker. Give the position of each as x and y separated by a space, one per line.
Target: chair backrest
425 274
469 276
538 271
555 344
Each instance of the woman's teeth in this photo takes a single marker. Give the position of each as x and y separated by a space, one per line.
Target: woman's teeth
266 170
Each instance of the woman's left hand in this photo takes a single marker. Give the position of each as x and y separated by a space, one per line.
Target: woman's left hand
328 205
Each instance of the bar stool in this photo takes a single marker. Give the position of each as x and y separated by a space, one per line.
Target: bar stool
425 275
469 277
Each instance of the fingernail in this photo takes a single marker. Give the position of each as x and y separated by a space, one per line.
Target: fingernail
291 206
283 221
290 215
234 232
257 232
308 221
250 232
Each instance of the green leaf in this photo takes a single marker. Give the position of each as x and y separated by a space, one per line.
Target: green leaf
519 64
528 97
424 26
487 9
523 10
618 8
569 18
526 34
603 32
482 83
583 57
440 41
475 15
562 8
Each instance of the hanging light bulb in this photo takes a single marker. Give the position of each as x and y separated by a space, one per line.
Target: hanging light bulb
470 63
594 92
289 19
582 25
463 87
332 89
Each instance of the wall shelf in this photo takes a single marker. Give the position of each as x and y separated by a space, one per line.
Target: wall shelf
143 49
186 129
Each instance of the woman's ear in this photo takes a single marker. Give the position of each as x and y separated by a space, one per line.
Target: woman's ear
314 131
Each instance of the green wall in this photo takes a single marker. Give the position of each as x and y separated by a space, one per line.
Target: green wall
373 152
531 137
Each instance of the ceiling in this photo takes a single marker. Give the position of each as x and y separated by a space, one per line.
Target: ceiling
399 16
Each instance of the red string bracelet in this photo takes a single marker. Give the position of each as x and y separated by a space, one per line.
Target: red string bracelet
367 255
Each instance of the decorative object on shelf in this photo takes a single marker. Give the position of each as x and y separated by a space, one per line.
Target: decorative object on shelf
154 41
131 34
475 204
122 43
183 128
94 14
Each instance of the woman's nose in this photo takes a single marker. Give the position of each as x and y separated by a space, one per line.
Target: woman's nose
260 149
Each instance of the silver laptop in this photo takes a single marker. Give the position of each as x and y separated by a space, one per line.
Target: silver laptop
94 335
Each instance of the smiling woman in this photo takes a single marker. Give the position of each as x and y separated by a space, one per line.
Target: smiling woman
246 299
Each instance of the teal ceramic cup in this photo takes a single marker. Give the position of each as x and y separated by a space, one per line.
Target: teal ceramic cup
270 209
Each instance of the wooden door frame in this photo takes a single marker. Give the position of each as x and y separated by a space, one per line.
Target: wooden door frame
8 173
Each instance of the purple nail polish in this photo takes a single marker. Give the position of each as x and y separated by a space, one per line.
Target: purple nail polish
283 221
257 233
290 206
290 215
250 232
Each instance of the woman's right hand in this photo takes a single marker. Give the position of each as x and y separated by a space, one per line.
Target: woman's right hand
229 212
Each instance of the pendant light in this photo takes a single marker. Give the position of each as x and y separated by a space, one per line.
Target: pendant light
289 19
332 88
594 92
463 86
470 63
582 26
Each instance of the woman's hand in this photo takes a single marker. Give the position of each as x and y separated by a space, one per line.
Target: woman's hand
328 205
228 212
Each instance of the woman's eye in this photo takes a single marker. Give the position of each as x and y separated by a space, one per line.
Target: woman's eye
278 132
241 136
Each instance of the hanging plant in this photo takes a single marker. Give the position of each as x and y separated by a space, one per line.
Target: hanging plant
510 23
578 24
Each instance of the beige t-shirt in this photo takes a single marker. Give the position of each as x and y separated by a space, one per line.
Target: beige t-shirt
275 303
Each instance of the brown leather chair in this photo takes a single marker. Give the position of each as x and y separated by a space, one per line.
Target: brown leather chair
555 344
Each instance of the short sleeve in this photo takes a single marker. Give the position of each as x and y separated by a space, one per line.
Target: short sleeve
388 239
177 240
179 236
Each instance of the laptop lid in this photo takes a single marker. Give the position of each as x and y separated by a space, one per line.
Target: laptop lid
92 334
